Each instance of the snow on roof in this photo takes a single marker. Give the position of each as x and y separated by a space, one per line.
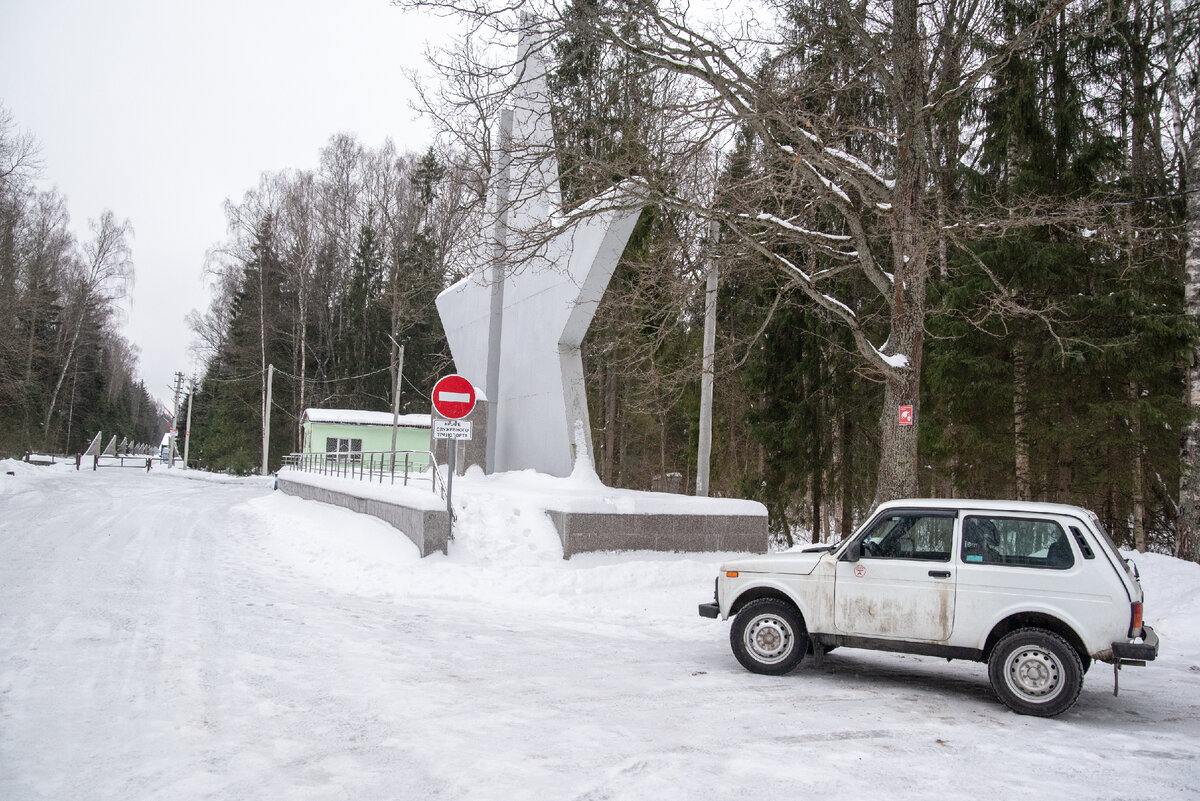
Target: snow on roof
360 417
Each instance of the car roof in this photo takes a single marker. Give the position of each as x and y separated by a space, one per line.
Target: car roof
971 504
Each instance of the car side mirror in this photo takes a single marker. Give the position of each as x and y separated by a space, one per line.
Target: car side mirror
854 552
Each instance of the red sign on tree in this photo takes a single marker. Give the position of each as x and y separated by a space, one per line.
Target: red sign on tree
453 397
906 415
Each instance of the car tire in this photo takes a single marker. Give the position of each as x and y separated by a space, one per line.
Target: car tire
1035 672
768 636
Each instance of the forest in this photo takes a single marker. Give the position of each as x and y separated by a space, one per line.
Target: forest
66 372
977 210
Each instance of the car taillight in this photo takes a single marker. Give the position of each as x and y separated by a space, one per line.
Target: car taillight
1135 624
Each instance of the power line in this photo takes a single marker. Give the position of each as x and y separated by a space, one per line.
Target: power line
1171 196
417 389
208 379
333 380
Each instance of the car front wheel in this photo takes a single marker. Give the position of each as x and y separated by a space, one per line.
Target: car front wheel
768 636
1036 672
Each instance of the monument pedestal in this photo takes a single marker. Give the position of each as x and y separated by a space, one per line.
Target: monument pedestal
581 532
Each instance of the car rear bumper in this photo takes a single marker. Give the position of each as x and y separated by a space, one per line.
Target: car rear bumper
1144 651
711 610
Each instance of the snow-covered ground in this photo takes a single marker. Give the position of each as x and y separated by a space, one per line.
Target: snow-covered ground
166 638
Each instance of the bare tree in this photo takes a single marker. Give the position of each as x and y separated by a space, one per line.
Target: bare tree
104 277
844 148
20 156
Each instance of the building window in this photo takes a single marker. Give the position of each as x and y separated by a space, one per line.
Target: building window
343 449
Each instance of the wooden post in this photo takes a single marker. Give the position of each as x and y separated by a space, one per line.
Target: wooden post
267 417
704 450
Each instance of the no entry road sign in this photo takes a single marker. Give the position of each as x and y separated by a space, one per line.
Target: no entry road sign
453 397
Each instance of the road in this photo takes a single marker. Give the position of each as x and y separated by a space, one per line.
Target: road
164 638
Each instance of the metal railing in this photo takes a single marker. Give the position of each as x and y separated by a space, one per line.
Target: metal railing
114 460
416 467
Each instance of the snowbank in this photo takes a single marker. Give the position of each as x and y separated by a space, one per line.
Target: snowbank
15 473
1172 591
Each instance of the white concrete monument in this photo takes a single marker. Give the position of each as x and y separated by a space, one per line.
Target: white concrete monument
515 325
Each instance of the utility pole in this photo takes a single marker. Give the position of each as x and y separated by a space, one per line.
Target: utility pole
175 415
704 449
187 435
267 416
500 260
396 402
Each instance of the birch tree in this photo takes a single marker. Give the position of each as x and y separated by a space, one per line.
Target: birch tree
105 276
1187 540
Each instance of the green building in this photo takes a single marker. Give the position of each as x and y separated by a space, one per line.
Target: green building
353 435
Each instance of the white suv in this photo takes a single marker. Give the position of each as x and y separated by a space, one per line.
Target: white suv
1036 590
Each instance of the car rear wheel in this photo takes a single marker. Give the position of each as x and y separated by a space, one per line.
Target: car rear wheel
768 636
1036 672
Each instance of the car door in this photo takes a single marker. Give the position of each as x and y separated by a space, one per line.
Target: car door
1013 562
902 586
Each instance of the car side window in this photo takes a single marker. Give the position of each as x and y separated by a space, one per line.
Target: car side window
910 535
1016 542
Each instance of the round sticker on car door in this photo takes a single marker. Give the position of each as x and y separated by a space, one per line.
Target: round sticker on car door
860 570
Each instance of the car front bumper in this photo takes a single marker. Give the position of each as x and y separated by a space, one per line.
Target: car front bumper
711 610
1144 651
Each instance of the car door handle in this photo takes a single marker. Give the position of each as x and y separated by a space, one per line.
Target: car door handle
940 573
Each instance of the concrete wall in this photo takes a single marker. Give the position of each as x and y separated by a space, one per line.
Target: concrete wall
582 532
428 529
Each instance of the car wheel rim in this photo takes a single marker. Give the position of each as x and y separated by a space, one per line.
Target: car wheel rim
1034 674
769 639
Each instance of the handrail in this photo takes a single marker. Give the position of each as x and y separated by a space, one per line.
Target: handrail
367 465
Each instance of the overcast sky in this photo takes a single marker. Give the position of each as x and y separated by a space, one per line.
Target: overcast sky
160 110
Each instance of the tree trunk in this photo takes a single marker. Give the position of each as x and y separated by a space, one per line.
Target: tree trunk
902 384
1187 536
71 410
1171 89
818 500
1021 424
1066 459
819 449
898 443
1138 484
62 374
610 424
847 476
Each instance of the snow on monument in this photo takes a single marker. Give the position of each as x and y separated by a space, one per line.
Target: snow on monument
516 324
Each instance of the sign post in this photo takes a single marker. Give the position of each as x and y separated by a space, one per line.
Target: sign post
454 399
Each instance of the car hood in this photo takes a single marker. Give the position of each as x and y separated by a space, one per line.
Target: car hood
796 563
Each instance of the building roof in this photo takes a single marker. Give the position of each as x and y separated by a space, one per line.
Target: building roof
360 417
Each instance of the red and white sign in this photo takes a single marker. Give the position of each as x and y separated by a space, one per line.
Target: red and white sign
860 571
906 416
453 397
